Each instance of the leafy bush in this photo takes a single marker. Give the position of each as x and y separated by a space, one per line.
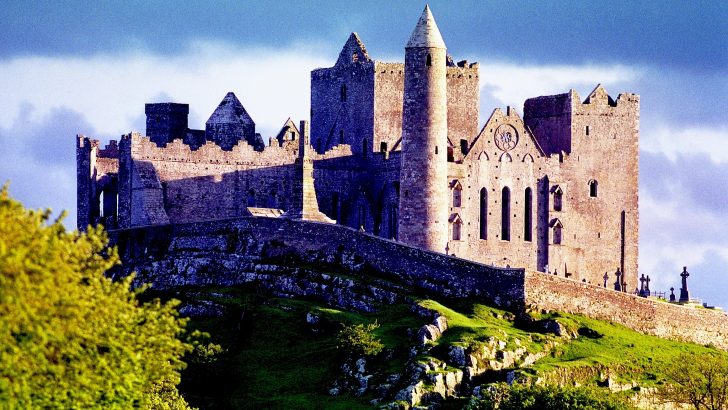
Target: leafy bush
70 337
503 397
359 340
697 381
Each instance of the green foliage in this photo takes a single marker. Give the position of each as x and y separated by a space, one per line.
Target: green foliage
698 381
516 397
70 337
359 340
206 353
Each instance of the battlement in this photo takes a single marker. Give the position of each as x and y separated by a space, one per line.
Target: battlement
143 148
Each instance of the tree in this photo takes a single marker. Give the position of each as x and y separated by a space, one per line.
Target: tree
69 336
516 397
699 381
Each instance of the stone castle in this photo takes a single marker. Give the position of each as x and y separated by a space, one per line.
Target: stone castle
397 150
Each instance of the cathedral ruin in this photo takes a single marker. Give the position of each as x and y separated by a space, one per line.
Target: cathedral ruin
397 150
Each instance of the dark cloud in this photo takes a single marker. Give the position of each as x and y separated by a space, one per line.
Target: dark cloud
39 158
687 34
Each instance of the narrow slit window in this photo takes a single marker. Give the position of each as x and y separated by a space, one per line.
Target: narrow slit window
483 213
593 185
527 216
506 214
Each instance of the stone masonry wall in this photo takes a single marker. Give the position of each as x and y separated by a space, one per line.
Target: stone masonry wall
701 326
463 104
219 243
220 253
207 183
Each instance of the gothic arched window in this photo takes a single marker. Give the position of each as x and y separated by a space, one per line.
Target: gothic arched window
557 232
558 199
483 213
343 92
506 214
527 215
428 61
457 195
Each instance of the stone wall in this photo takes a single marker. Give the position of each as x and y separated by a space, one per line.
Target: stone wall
249 249
696 325
177 184
206 245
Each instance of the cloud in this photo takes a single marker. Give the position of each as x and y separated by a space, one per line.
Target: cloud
38 158
684 161
111 90
511 83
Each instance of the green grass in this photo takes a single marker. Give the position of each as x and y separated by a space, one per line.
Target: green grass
627 354
273 360
633 355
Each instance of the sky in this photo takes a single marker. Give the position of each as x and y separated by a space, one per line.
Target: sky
73 67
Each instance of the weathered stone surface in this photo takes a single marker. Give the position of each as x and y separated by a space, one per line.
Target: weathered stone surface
363 112
399 153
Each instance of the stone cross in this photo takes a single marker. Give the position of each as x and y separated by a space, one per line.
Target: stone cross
605 277
672 294
618 283
684 294
642 285
647 285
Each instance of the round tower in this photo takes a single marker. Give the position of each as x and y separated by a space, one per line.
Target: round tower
423 203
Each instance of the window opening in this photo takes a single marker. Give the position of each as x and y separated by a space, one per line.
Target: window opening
593 188
483 213
527 215
457 195
506 214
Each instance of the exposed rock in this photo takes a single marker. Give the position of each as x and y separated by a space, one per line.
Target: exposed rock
411 394
312 318
202 309
553 326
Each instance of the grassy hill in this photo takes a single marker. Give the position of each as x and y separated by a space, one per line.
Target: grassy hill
262 352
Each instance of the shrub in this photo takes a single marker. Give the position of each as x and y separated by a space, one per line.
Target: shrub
359 340
516 397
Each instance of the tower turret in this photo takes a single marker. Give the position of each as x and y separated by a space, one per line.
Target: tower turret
423 202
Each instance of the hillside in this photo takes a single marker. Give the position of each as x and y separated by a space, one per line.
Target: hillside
280 352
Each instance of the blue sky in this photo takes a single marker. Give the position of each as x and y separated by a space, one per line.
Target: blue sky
88 67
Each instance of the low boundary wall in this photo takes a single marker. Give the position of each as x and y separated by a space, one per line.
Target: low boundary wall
270 238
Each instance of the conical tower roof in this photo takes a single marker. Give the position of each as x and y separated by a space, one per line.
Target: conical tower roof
426 33
230 111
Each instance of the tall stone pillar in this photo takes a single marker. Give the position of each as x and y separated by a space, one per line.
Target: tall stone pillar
304 204
423 202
